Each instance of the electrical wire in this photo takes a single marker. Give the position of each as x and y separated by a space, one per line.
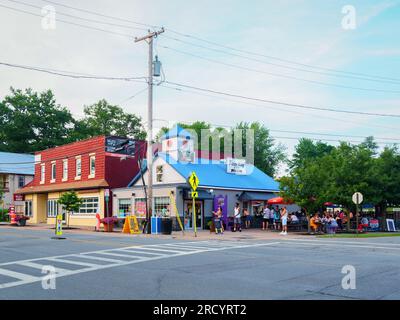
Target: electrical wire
69 74
283 103
278 74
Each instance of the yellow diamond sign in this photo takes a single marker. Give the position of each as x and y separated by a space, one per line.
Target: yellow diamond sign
194 181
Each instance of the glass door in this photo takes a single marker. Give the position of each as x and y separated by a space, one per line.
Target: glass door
188 217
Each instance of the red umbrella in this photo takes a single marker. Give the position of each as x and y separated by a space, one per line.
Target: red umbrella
277 200
328 204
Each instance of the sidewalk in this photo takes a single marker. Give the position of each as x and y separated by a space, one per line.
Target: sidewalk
246 234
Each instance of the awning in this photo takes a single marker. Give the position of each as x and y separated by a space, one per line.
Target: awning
202 194
252 196
29 189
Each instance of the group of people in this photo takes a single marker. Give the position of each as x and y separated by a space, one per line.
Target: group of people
274 217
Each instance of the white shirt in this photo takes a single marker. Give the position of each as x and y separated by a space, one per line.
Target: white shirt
294 218
267 213
237 213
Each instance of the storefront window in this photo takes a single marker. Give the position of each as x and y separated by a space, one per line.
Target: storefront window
52 208
161 206
140 207
124 207
28 208
159 173
89 206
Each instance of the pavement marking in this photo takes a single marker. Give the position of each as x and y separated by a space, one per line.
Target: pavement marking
39 266
119 255
338 244
27 279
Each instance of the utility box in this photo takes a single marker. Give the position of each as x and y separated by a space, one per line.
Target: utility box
155 225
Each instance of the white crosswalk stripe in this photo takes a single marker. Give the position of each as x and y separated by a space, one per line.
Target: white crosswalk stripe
102 259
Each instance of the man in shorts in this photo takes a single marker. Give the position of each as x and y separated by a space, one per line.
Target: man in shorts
284 218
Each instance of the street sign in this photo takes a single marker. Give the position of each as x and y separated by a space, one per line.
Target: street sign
358 198
195 194
59 220
194 181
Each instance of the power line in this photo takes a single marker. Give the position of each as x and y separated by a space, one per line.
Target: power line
69 74
284 103
279 59
278 74
79 18
328 73
101 15
186 35
69 22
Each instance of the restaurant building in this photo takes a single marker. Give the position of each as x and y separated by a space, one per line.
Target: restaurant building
91 168
16 170
218 185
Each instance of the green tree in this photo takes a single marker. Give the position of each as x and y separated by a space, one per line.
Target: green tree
103 118
31 121
70 202
307 149
268 154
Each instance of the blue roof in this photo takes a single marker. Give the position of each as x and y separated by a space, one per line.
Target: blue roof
17 163
213 174
177 131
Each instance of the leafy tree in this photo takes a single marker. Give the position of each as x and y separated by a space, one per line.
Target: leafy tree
31 121
267 154
103 118
71 203
307 149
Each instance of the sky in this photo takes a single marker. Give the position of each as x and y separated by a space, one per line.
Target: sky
274 34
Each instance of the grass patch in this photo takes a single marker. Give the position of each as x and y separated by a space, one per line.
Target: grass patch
361 235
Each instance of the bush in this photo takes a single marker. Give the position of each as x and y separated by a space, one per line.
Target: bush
4 215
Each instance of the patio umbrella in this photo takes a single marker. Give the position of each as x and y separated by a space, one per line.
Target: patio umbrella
277 200
328 204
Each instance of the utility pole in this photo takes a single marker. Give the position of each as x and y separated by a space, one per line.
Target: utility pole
149 39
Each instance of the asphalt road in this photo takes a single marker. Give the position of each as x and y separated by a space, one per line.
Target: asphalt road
96 266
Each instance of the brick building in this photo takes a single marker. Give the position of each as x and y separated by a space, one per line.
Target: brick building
91 168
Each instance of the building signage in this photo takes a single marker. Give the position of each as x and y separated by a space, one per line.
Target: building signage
236 166
121 145
19 197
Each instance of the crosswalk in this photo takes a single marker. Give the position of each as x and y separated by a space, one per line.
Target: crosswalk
17 273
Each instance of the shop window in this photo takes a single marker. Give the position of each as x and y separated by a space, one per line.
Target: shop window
161 206
124 206
52 208
65 170
21 181
140 207
89 206
159 173
28 208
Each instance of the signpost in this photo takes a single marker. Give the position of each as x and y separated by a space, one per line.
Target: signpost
357 199
194 183
59 221
107 198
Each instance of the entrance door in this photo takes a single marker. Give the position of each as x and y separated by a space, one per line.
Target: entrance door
188 217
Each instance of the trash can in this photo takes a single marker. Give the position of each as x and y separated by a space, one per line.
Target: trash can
166 226
155 225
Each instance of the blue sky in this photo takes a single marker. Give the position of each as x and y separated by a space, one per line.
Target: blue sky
308 32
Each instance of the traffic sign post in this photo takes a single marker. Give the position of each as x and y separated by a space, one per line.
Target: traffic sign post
357 199
194 183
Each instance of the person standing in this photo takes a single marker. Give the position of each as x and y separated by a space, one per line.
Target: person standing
266 217
237 223
247 218
277 218
284 218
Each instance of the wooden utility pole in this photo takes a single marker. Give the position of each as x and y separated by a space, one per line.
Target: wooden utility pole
149 39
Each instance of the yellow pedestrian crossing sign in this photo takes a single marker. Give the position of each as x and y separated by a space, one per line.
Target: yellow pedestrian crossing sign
194 181
195 194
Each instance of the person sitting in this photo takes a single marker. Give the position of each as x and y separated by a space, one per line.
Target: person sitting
293 219
332 225
315 223
364 224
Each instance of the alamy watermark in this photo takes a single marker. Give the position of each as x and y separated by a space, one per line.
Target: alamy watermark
349 20
49 280
48 21
349 280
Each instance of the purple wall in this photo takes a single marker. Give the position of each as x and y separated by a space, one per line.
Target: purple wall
221 200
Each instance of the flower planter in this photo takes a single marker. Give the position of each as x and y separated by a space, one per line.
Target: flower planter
22 222
108 227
